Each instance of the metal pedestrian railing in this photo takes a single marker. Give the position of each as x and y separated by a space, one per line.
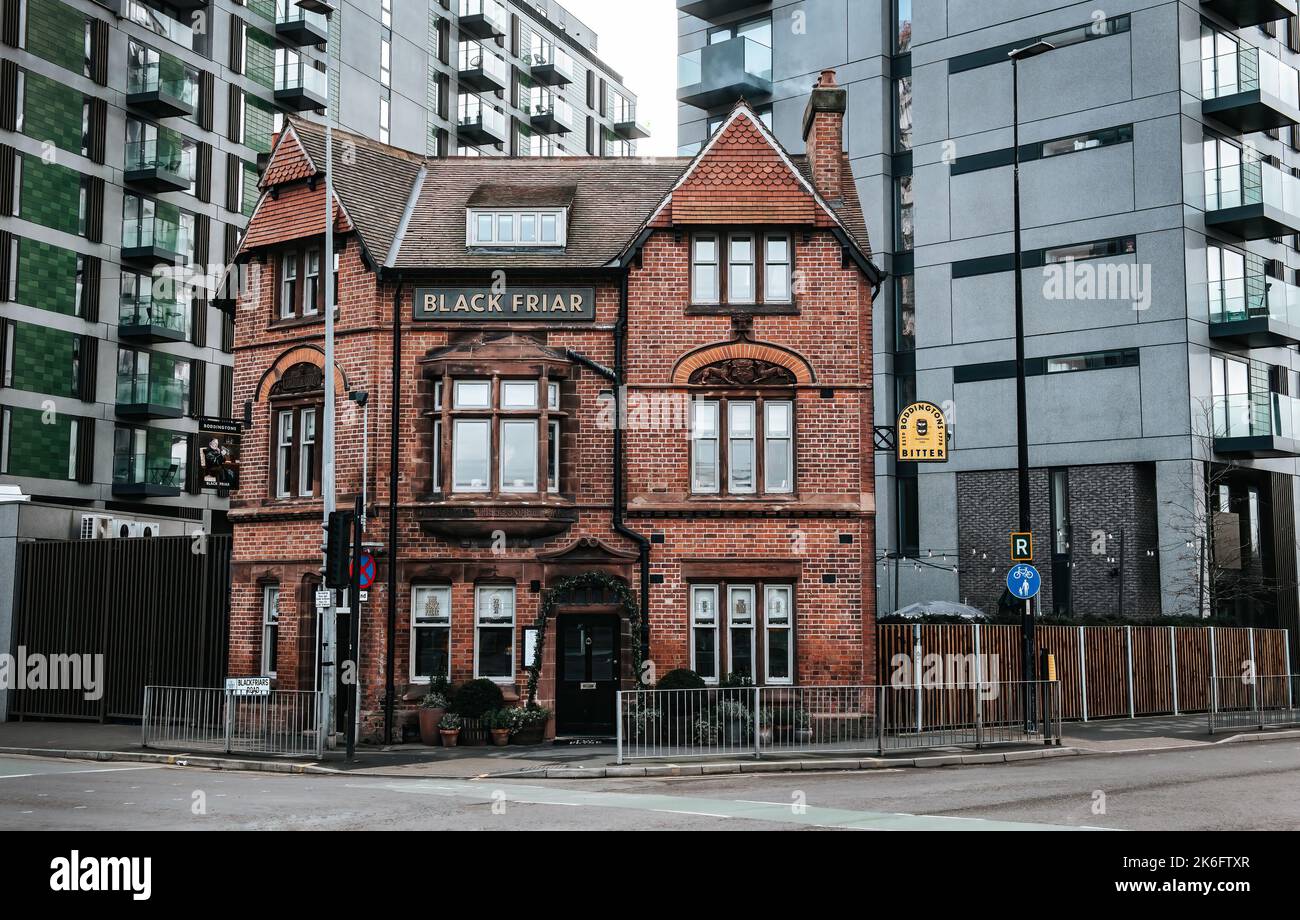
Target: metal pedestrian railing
1254 701
283 722
722 722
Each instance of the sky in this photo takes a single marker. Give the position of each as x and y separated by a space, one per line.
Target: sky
638 39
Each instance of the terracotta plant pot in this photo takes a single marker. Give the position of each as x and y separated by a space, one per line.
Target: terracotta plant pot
500 736
429 719
449 737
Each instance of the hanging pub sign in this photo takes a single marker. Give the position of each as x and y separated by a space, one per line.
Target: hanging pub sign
219 440
508 304
922 434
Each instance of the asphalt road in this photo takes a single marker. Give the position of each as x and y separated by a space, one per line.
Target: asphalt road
1237 786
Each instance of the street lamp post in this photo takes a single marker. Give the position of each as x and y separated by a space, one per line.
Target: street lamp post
329 625
1022 418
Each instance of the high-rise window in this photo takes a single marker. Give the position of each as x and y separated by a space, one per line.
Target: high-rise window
385 62
905 208
903 32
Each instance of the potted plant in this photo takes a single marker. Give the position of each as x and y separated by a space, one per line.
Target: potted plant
802 726
499 722
528 724
432 708
735 722
765 727
474 700
449 729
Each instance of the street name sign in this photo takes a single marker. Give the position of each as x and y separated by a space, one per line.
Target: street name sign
248 686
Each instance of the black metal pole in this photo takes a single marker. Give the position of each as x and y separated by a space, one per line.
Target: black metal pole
395 398
1022 418
354 630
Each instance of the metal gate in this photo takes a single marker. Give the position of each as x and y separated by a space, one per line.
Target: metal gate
284 722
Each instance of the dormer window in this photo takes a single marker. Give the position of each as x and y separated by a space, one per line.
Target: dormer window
509 229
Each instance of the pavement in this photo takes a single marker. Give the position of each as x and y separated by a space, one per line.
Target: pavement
122 743
1206 787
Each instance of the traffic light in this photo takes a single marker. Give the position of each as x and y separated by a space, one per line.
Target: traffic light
338 549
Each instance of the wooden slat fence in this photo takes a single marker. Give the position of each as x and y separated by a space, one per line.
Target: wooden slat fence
1170 666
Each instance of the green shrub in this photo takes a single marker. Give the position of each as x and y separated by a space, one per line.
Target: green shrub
681 679
477 697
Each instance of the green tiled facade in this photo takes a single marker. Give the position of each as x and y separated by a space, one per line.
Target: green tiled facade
259 124
41 444
56 32
51 195
44 360
47 277
259 57
250 188
52 112
264 8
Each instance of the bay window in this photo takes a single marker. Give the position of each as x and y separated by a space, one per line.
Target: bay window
430 632
742 426
494 633
504 437
757 642
744 268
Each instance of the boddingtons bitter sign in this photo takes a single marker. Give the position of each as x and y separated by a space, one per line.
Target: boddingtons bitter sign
922 434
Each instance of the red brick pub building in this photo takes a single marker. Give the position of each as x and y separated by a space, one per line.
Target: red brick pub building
719 307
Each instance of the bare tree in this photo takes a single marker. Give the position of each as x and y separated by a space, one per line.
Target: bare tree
1228 571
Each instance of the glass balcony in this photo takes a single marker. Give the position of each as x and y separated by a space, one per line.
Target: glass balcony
550 115
163 88
483 18
300 27
145 475
1243 13
625 123
150 396
160 23
481 70
549 65
1252 200
160 165
711 9
143 318
478 124
300 86
1257 425
154 239
721 74
1250 90
1256 311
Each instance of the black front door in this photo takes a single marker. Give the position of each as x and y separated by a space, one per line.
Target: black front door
587 674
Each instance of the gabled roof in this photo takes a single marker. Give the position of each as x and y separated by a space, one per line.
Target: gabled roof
409 211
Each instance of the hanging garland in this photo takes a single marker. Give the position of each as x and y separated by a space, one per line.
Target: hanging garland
549 603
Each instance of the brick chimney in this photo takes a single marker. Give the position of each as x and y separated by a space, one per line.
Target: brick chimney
823 132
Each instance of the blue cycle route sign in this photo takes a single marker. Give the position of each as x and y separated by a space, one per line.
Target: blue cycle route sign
1023 581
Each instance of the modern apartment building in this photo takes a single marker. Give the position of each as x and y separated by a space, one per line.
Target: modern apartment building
1160 207
130 140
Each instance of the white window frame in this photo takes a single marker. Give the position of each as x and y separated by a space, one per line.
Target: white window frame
530 454
714 294
306 463
479 592
456 478
733 406
768 629
716 407
750 265
553 455
786 266
310 281
284 452
693 625
270 622
443 592
733 593
769 441
288 273
514 217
